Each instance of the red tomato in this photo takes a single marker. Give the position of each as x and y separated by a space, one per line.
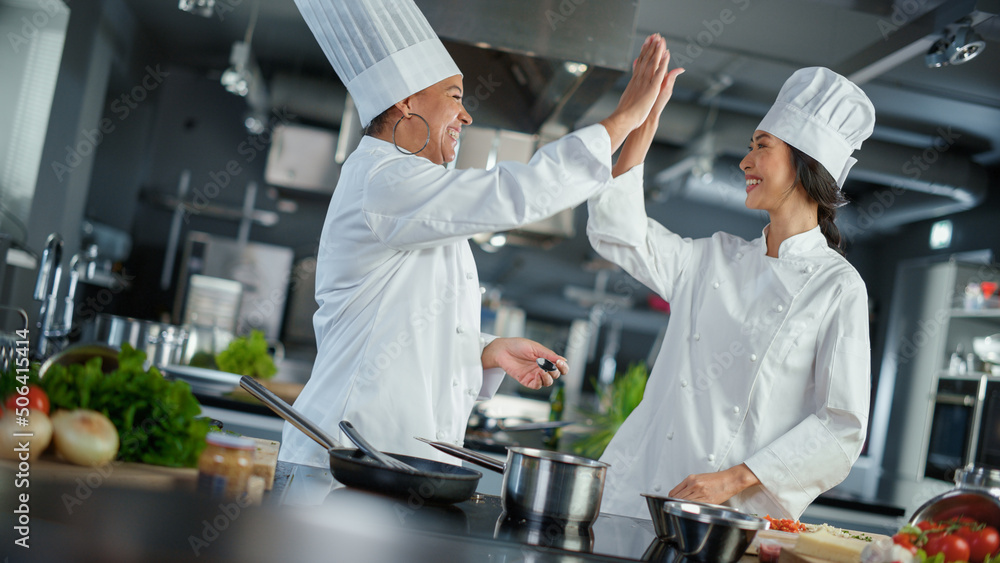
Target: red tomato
953 547
981 542
37 399
905 541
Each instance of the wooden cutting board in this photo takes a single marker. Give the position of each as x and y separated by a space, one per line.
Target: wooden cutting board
139 475
787 541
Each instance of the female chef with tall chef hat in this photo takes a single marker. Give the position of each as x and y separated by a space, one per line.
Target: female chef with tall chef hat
400 353
759 396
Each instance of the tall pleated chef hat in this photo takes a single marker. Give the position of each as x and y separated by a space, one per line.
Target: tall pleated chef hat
824 115
382 50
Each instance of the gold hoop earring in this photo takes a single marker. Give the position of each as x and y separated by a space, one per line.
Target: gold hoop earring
427 140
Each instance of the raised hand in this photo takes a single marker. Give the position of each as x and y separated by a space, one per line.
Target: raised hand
641 93
638 141
666 90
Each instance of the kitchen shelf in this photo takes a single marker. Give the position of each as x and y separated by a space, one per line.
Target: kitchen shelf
975 313
972 375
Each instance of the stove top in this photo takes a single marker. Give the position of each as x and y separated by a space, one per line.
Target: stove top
482 519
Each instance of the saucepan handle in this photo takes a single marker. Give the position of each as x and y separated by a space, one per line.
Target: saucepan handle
287 412
468 455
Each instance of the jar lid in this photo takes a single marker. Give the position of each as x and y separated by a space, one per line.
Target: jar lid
229 441
977 476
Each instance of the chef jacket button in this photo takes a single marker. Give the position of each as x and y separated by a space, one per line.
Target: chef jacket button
440 434
670 435
472 392
657 488
697 336
711 458
468 276
715 285
684 383
781 308
736 410
482 290
809 269
459 329
753 357
454 383
739 255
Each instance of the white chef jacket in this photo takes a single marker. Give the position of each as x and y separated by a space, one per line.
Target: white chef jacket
397 328
765 361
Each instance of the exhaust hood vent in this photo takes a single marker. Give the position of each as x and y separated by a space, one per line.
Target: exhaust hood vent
528 63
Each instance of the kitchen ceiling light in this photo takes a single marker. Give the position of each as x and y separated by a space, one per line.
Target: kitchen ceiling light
203 8
965 45
238 76
936 57
941 235
243 73
961 47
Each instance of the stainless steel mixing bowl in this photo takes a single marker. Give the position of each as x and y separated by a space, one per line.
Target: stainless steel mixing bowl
711 533
665 532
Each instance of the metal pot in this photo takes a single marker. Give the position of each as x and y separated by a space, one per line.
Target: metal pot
541 485
163 343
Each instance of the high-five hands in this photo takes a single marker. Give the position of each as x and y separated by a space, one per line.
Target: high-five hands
642 91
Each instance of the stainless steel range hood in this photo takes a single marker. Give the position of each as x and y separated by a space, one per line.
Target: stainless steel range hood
530 63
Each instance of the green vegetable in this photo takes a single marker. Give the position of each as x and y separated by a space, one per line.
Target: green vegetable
203 360
247 356
621 399
923 558
155 417
9 382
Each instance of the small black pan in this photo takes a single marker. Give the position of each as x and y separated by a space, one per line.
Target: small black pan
434 482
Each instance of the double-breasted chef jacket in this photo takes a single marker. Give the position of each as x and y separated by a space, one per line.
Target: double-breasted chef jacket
398 325
765 361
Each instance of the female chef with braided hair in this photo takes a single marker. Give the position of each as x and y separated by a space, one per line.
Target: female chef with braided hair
760 395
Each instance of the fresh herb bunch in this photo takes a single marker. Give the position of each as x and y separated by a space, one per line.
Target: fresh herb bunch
247 356
621 398
156 418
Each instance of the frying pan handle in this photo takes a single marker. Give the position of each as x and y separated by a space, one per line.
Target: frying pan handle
468 455
287 412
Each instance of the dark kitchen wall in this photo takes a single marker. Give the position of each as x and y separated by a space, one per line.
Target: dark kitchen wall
188 122
975 229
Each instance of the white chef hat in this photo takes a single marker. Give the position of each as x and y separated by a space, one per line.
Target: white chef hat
824 115
383 50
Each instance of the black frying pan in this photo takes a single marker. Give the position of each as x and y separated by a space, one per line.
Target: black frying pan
434 483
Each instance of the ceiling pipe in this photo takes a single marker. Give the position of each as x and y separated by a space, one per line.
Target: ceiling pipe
912 183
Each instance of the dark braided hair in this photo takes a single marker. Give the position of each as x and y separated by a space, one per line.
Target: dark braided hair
823 189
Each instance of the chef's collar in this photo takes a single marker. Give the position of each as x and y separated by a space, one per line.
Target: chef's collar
796 245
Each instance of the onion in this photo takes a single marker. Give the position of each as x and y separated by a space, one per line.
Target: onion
38 424
84 437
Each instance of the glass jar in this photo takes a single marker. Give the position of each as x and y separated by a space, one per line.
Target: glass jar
225 466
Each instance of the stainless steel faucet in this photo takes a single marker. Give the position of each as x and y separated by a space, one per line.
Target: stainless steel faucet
47 291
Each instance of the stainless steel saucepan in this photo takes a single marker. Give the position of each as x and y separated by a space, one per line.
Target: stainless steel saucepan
541 485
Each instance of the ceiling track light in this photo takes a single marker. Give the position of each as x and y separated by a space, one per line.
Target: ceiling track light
203 8
957 48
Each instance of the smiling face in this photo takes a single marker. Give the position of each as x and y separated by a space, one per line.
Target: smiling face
441 105
770 172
